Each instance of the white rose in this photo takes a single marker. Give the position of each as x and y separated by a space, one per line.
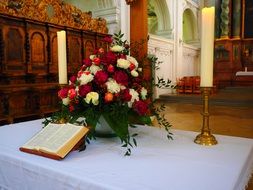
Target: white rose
144 93
65 101
132 60
139 69
117 48
92 57
135 97
134 73
92 97
112 86
85 78
94 68
123 63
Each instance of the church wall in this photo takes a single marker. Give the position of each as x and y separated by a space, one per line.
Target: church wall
170 29
164 50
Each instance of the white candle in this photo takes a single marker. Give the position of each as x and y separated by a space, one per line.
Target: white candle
62 57
207 47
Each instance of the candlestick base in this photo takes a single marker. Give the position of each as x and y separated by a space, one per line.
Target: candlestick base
62 85
205 138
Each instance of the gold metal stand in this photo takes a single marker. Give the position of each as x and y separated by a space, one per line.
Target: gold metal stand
205 137
62 85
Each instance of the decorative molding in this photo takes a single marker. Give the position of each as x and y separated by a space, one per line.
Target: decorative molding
53 11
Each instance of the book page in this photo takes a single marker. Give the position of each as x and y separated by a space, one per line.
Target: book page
61 138
44 135
53 137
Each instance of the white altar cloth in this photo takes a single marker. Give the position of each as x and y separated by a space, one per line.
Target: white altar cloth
156 164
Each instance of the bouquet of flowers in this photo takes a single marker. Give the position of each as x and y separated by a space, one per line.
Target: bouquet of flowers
110 84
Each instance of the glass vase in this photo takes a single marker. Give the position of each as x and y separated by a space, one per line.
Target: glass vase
103 129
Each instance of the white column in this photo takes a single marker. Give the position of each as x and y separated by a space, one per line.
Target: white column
178 20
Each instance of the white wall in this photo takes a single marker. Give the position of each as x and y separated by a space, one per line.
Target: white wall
180 59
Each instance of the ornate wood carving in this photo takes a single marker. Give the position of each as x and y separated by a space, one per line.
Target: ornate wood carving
29 56
53 11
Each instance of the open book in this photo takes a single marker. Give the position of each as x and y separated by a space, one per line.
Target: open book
55 140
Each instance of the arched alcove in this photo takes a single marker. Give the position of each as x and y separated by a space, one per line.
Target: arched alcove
159 18
189 26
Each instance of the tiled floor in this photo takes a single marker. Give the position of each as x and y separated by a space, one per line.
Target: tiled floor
234 120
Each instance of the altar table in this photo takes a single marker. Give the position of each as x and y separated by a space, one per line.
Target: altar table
155 164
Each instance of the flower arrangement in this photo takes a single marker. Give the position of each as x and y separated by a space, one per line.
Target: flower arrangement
110 84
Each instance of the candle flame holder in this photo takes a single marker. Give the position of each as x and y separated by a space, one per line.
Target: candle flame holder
62 85
205 137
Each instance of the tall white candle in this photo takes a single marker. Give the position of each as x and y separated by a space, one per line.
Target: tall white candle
62 57
207 47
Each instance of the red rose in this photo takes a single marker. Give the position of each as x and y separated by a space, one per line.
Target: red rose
96 61
108 39
101 77
126 46
72 93
121 77
84 90
111 57
63 93
125 95
140 107
110 68
122 56
71 108
87 62
73 79
131 66
101 50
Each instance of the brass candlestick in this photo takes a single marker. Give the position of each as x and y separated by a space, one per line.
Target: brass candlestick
62 85
205 137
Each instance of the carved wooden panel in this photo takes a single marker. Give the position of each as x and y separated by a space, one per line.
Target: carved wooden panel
89 44
38 50
47 103
1 48
101 42
13 61
247 53
53 64
74 51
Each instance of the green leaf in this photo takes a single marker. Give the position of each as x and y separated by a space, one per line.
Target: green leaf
135 142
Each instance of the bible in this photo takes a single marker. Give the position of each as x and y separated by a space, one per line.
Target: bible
55 140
